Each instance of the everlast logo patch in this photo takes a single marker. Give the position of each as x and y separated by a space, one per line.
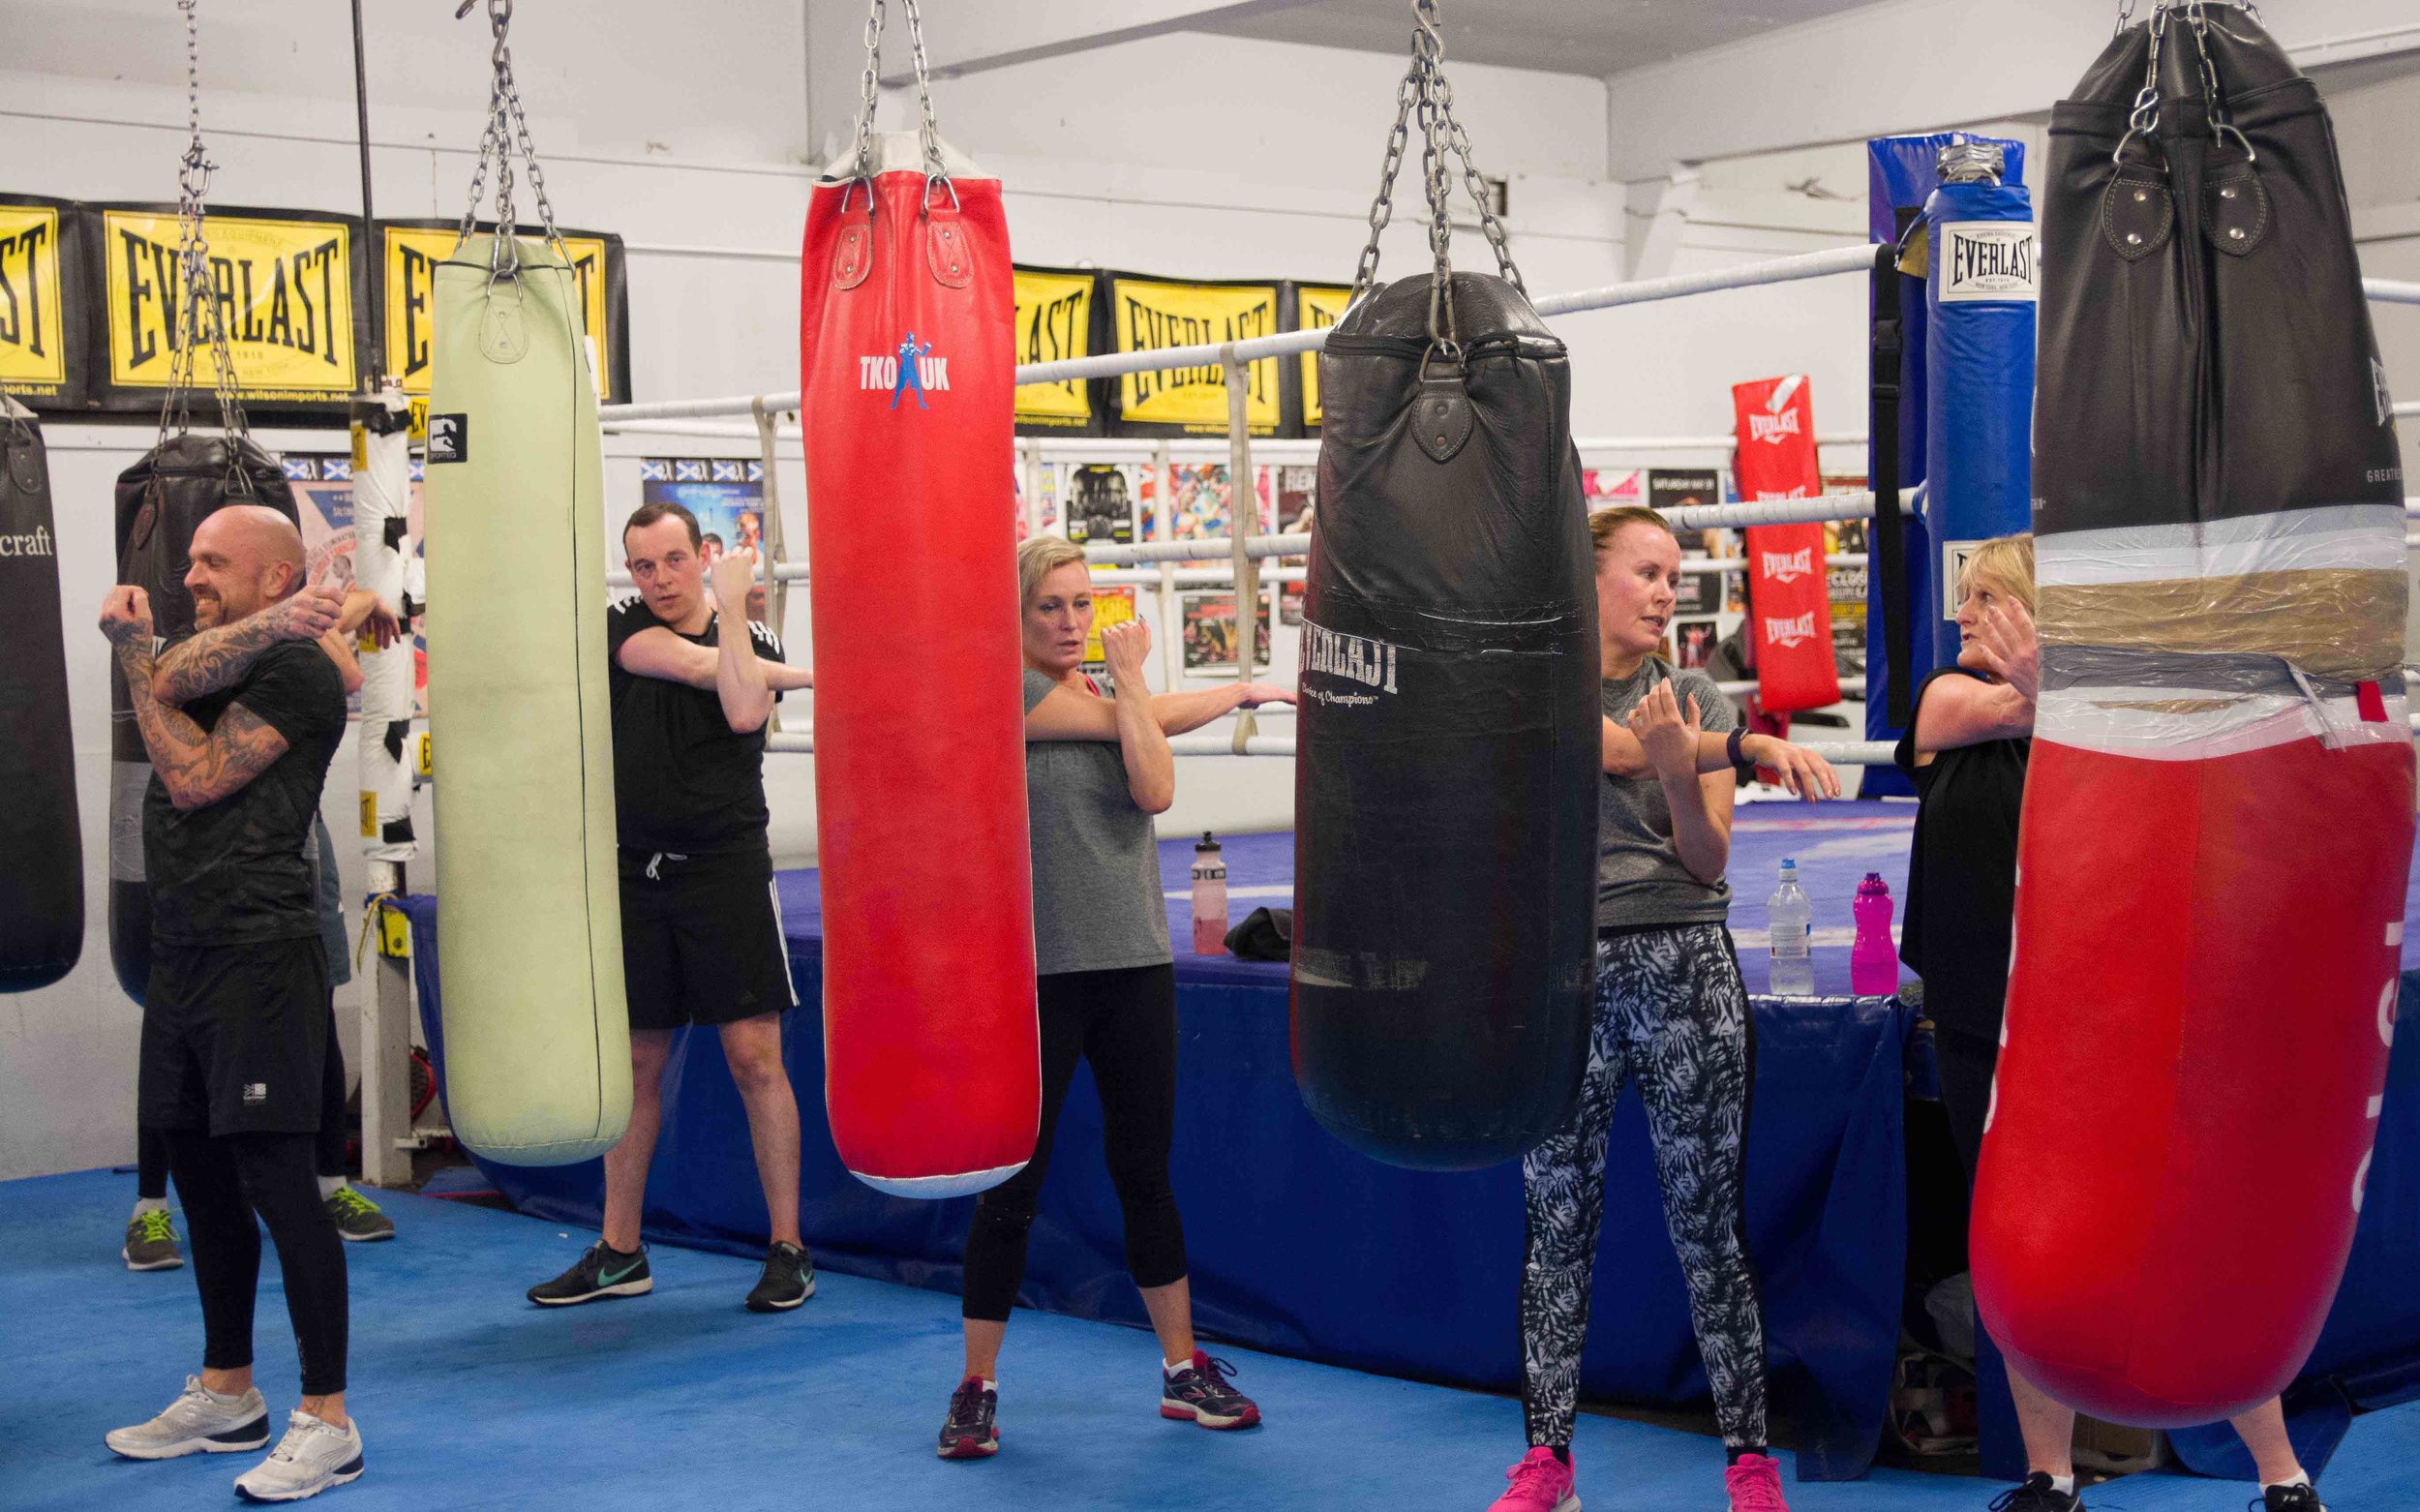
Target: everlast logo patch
1353 657
910 372
1148 329
1788 567
1986 260
1774 428
282 301
1793 632
32 543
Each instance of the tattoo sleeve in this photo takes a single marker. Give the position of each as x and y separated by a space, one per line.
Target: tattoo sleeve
197 769
212 661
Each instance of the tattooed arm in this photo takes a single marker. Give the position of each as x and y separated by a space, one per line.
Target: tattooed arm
197 769
216 659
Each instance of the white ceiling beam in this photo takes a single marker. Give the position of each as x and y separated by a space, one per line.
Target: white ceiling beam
1914 65
969 36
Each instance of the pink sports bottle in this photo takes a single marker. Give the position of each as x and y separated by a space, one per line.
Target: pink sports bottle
1874 959
1209 897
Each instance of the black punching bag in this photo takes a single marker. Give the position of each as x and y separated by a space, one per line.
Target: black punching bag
160 501
1445 779
42 859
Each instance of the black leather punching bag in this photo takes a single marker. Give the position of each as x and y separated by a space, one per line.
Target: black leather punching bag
1445 779
42 861
160 501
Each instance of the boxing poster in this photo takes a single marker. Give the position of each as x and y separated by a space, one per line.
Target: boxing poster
726 494
322 486
1668 489
409 251
1056 319
1314 306
1609 488
1147 315
285 285
1110 606
41 317
1100 501
1207 628
1038 515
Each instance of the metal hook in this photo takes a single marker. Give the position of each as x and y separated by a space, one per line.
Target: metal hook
930 179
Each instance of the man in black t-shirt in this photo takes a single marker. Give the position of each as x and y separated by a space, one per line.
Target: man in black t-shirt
701 930
235 1012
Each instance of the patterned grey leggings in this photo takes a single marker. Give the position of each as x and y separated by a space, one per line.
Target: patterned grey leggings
1670 1013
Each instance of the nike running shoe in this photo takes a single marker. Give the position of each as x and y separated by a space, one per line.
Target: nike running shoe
313 1457
2289 1498
151 1242
358 1219
1754 1481
1540 1483
969 1432
789 1280
199 1421
1199 1391
2036 1494
601 1271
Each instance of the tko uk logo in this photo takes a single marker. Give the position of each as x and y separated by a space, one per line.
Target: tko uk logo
910 372
1774 428
1788 567
1790 632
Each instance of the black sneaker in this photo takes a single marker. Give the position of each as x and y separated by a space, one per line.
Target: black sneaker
969 1433
601 1271
2287 1498
789 1280
2036 1494
1200 1392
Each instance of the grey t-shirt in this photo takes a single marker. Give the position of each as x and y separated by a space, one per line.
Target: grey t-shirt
1096 903
1639 876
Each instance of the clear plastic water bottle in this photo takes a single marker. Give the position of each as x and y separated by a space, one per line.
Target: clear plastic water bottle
1789 920
1209 897
1873 960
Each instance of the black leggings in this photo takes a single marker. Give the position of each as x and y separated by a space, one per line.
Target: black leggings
1125 1023
151 1151
223 1182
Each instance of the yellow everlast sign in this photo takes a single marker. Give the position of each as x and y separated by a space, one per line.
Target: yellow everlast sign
1316 308
1149 314
283 291
1053 322
33 345
408 263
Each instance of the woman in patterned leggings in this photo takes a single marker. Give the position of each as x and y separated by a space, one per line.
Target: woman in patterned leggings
1670 1015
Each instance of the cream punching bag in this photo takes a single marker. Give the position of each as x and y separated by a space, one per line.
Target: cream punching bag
537 1039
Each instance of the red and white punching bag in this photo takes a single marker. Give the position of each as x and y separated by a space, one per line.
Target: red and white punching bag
1790 591
932 1054
2218 815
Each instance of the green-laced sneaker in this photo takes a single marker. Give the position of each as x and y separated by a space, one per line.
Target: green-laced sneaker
358 1217
151 1242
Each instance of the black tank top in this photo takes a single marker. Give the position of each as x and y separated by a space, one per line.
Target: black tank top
1961 873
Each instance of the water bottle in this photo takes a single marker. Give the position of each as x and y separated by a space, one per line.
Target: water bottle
1873 960
1790 922
1209 897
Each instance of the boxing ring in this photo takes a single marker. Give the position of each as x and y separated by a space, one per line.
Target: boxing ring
1301 1247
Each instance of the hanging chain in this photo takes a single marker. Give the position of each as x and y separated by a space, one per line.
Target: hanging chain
199 314
1383 208
928 134
2214 95
2144 119
506 133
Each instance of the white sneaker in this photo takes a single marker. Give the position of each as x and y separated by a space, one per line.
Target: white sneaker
199 1421
312 1457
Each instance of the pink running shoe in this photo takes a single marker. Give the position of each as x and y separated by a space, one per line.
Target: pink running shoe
1754 1481
1540 1483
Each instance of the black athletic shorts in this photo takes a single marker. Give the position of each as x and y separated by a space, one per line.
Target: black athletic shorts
235 1036
701 938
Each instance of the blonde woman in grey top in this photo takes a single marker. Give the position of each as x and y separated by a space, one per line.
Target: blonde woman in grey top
1096 768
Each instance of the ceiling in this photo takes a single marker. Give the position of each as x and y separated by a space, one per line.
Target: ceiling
1587 36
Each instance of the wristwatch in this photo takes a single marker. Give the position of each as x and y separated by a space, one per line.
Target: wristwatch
1730 748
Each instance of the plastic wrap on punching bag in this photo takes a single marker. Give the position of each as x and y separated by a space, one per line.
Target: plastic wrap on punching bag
1978 375
161 500
42 859
381 547
1445 781
2219 811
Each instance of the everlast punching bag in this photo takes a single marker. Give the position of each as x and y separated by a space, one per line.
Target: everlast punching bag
1445 779
161 500
42 853
2218 812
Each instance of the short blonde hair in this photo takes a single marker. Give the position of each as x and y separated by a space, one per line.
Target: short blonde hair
1606 523
2004 564
1039 557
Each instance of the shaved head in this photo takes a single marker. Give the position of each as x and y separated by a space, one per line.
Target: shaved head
262 529
245 558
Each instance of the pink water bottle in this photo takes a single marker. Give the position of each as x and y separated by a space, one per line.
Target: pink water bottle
1209 897
1874 959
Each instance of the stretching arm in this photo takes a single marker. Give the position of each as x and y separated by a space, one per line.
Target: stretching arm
197 769
215 661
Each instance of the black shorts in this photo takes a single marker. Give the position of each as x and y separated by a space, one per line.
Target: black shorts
701 940
235 1036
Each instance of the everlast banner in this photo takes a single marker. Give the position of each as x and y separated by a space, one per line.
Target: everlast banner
409 253
1058 317
284 287
1790 595
1310 307
41 323
1148 314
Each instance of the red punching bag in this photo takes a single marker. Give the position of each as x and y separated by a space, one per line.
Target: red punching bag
932 1059
1791 598
2218 815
